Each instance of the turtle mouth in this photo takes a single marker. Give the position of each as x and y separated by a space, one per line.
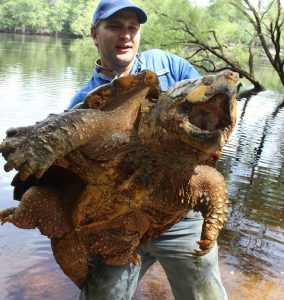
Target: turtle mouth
208 124
210 116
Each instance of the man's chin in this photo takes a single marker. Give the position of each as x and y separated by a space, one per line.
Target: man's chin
125 59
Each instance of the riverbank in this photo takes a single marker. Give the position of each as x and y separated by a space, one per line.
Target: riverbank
43 33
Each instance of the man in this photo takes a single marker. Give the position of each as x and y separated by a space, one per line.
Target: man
116 33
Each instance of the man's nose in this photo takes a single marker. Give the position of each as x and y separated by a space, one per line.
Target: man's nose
125 34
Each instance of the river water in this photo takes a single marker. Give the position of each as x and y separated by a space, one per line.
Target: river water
39 75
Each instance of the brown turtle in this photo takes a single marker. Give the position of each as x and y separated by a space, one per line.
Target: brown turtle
123 167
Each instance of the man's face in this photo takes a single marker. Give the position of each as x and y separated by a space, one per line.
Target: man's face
118 39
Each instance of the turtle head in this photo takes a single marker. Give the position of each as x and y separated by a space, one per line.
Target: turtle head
199 114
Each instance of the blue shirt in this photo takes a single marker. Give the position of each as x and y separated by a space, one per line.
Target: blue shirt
170 69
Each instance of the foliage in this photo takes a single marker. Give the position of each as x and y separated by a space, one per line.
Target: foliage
226 34
220 35
267 22
81 24
22 15
46 16
57 16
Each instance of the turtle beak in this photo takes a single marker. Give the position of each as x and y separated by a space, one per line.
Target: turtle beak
209 113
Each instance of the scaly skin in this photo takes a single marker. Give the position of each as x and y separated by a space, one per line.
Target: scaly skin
104 180
33 149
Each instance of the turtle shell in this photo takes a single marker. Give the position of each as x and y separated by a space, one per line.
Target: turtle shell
101 96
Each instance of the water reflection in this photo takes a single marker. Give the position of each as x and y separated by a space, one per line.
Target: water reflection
253 241
31 283
40 74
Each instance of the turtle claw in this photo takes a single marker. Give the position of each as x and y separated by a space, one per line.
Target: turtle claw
136 259
11 132
26 170
205 246
201 252
14 131
204 243
5 220
8 166
39 173
6 215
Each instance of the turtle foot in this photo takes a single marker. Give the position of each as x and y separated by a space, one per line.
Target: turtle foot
5 220
205 246
6 215
136 259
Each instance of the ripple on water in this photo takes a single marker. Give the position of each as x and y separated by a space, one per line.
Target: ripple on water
28 269
252 242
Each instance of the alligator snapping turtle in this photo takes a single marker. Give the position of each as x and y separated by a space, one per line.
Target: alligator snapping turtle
104 180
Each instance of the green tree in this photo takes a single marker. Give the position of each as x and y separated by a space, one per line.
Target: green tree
218 36
82 23
211 38
50 16
267 21
77 8
230 34
24 16
58 15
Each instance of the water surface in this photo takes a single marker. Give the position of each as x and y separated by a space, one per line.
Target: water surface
39 75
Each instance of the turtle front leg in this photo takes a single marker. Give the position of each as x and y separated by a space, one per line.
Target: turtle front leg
210 197
33 149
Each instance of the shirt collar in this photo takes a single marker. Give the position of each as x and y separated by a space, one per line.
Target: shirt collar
138 66
100 77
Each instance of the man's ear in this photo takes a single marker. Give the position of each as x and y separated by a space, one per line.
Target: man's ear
94 35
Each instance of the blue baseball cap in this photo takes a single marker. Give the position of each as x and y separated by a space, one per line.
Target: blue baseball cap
107 8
